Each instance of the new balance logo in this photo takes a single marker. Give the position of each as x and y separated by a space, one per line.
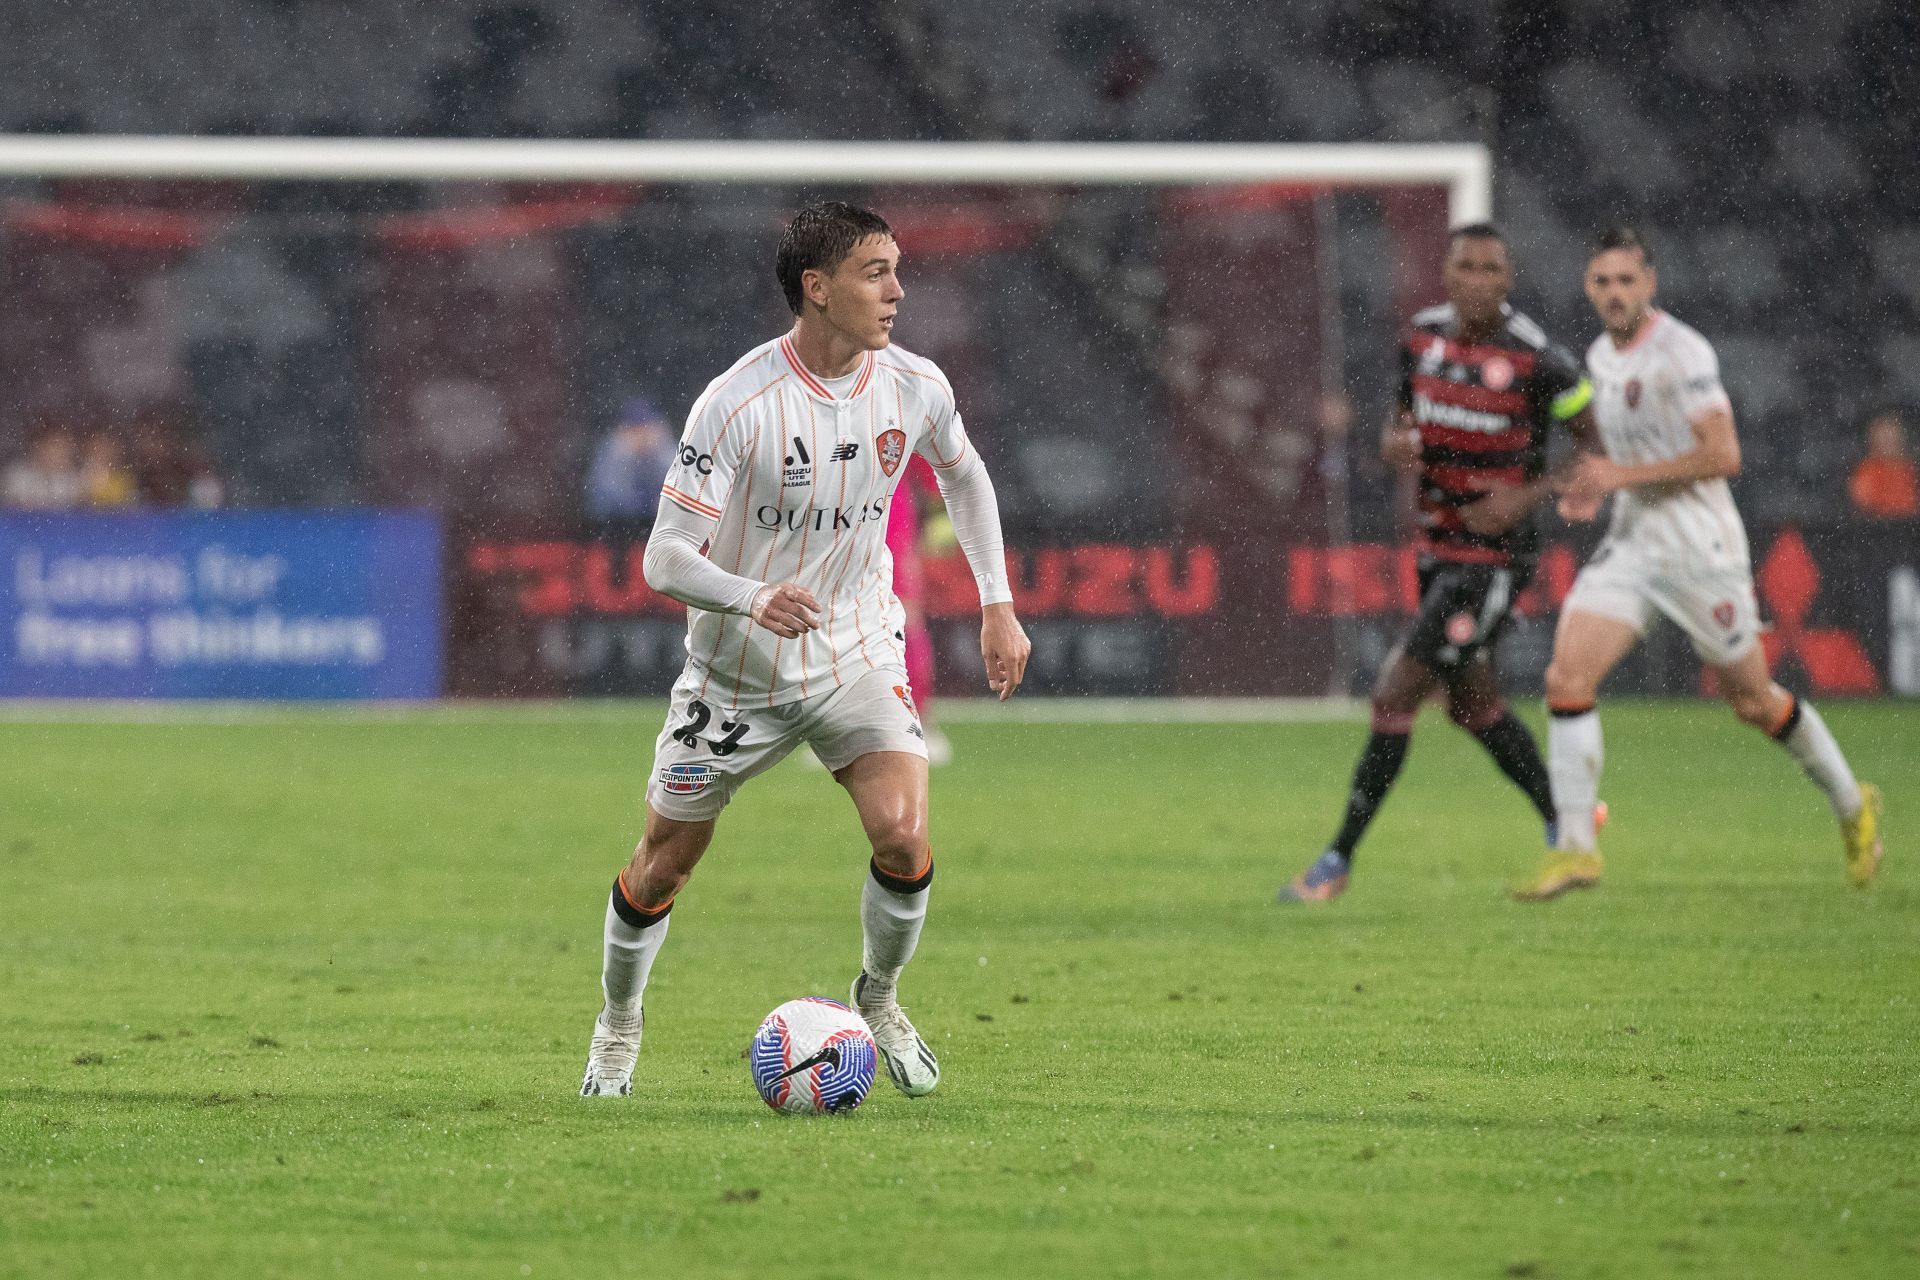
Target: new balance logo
843 452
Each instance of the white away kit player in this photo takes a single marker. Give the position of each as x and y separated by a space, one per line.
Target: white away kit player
1676 546
772 530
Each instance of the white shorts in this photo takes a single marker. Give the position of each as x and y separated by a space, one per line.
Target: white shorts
1713 604
706 750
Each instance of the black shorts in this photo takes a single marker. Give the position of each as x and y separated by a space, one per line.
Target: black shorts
1464 608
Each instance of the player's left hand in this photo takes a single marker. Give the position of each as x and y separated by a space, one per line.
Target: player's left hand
1499 511
1004 648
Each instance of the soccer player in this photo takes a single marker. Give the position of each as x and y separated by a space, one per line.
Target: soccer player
771 532
1676 546
1480 388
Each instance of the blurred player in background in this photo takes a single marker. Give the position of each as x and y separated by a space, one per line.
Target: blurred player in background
1480 388
908 535
1676 546
771 531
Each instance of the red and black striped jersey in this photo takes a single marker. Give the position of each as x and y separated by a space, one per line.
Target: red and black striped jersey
1483 410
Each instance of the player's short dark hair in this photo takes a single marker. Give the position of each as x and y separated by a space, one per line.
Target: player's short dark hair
1621 236
818 238
1477 231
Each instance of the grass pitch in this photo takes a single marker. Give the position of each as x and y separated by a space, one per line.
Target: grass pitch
311 995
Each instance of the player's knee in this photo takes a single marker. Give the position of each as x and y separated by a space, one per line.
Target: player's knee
1567 687
900 844
1753 706
1474 714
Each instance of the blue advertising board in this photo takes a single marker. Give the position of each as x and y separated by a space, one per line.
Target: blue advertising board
220 605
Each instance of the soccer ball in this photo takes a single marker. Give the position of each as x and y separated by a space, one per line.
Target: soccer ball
813 1055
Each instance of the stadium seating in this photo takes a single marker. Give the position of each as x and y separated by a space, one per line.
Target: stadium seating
1764 146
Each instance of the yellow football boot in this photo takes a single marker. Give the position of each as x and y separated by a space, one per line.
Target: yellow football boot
1560 871
1862 837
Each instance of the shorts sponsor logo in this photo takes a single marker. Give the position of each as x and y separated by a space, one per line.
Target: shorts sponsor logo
1633 393
1723 613
906 699
1497 373
686 779
893 447
1460 628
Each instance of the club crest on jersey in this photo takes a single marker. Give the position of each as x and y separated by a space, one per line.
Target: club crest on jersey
1460 629
1633 393
1723 613
893 447
1496 374
686 779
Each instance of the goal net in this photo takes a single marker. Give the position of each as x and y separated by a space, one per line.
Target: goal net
1175 360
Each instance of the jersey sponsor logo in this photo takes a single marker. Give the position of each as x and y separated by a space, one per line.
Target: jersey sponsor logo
1427 409
819 519
701 462
1633 393
845 451
893 447
1496 374
799 467
686 779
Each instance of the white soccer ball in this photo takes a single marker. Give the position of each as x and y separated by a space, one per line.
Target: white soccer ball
812 1056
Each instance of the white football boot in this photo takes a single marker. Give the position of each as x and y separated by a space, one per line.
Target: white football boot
610 1059
910 1064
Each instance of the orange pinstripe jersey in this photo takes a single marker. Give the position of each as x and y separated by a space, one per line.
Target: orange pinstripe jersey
794 474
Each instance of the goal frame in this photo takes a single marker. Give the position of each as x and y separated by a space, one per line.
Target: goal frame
1464 169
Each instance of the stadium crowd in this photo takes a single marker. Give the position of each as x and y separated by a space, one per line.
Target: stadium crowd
1764 145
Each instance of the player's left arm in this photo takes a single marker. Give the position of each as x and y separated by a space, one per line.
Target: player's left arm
1716 445
975 512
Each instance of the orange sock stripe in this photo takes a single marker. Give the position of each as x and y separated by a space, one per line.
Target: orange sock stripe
627 893
925 866
1781 721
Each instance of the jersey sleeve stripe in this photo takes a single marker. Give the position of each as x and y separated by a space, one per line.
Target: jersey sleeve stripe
690 502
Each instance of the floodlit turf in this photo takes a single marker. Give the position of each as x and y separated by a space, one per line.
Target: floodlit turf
312 996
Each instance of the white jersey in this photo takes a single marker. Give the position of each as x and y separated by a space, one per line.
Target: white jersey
797 476
1646 398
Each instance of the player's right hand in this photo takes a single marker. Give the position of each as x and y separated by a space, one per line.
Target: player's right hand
1400 447
786 608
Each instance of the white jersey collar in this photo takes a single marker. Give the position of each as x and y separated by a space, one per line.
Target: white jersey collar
816 388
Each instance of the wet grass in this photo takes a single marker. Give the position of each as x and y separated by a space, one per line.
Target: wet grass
311 995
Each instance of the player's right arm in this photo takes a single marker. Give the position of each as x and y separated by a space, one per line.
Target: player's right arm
691 500
1716 450
1400 438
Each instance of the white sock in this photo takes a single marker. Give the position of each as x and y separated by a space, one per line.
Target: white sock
890 929
1574 756
629 956
1811 743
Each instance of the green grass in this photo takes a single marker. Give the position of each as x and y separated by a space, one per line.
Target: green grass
311 995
